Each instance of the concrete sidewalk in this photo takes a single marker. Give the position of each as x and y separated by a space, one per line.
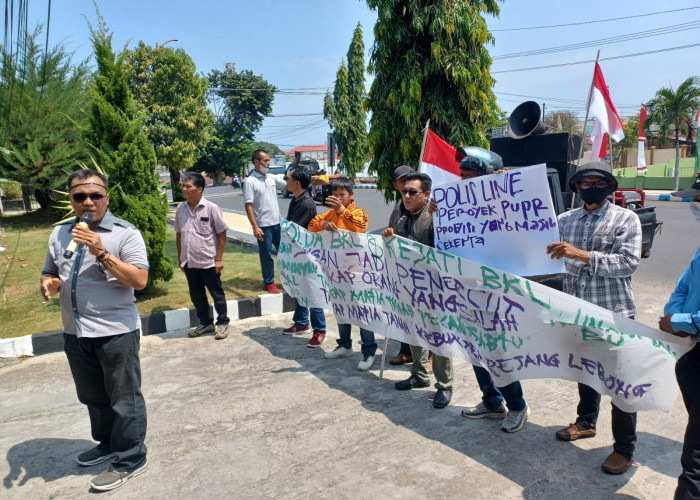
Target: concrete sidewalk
260 415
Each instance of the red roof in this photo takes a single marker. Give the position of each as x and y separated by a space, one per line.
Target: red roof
305 149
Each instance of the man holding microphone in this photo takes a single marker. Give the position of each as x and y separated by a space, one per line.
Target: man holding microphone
101 335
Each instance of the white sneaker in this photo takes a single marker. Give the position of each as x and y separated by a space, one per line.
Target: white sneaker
339 352
221 331
366 362
515 420
483 411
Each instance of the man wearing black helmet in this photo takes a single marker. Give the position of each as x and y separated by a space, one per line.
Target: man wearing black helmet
476 162
602 245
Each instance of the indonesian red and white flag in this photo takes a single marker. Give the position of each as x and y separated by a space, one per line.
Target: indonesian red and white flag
439 160
559 128
606 118
641 160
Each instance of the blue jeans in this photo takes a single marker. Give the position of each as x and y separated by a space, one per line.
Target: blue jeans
107 376
369 346
271 235
301 317
493 396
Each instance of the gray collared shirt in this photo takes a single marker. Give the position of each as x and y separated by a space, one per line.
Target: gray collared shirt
93 302
613 236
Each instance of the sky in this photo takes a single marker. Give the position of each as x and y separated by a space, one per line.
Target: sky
297 45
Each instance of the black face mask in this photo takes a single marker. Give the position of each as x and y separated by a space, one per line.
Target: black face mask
594 195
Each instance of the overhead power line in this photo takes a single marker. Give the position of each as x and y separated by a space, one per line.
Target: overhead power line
664 30
588 61
594 21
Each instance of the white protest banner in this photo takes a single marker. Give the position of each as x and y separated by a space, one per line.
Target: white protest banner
515 328
477 218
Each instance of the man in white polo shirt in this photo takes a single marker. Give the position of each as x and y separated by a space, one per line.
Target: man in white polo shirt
263 210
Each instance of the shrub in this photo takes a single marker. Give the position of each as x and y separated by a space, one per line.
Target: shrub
12 189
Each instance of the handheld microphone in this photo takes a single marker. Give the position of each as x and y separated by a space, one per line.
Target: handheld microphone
84 221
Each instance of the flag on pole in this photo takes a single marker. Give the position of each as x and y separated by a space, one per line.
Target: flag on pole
439 160
641 160
559 128
606 118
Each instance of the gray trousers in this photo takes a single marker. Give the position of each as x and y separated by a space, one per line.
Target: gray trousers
442 368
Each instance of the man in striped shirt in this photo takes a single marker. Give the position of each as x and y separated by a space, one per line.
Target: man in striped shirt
201 238
602 245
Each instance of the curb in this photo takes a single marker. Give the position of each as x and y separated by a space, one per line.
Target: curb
153 324
666 197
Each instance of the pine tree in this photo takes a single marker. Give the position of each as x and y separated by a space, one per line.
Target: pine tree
345 110
125 154
41 114
430 62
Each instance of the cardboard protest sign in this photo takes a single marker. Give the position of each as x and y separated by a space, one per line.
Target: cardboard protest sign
480 217
515 328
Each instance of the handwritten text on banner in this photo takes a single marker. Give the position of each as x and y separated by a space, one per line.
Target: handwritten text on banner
477 218
515 328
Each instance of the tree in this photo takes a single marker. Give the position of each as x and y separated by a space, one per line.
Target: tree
430 62
569 121
241 100
345 110
124 152
41 116
671 108
222 159
272 149
172 96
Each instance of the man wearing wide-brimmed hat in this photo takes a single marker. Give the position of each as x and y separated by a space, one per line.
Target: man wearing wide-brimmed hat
602 245
682 318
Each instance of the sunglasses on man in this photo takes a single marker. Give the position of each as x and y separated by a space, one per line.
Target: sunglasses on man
81 197
411 192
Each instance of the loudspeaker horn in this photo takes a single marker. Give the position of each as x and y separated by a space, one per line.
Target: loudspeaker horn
526 120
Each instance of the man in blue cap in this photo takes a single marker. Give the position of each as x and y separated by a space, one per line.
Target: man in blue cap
474 163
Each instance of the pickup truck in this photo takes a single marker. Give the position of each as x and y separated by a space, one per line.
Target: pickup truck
629 198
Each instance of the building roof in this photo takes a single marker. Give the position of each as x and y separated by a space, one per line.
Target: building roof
305 149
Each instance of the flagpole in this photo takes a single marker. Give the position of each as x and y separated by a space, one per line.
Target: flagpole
425 139
585 124
588 105
611 151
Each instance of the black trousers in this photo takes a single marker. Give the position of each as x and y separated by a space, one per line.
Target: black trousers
688 375
107 376
198 280
624 425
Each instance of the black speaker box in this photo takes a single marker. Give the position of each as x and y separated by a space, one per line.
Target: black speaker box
534 149
556 150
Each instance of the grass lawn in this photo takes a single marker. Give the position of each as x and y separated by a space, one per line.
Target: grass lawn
23 312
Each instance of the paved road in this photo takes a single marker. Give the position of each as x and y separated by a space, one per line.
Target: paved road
260 416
